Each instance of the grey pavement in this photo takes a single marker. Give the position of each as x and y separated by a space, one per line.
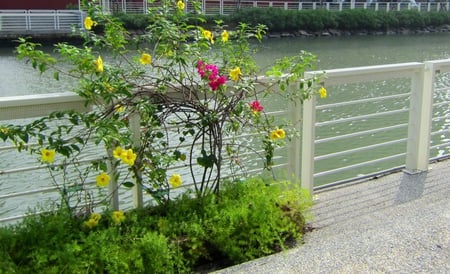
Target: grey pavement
398 223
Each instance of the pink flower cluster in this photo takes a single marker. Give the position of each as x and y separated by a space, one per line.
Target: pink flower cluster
211 73
256 106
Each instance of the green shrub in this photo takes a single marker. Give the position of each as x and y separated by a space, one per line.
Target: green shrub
278 20
134 21
252 219
247 220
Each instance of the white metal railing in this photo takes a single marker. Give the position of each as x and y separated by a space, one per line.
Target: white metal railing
414 117
226 7
417 122
45 21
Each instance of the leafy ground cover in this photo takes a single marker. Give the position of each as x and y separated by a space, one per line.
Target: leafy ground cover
250 219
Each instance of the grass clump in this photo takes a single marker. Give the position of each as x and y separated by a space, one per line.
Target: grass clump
249 219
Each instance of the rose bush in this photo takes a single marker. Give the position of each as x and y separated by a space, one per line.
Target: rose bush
176 93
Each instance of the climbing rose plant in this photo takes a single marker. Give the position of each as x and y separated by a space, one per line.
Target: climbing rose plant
178 94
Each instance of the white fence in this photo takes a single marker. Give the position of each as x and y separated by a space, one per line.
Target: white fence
40 21
417 105
227 7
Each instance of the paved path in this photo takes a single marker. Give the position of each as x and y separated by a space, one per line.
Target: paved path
399 223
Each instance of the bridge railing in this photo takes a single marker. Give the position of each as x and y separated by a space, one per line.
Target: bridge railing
35 21
402 122
376 119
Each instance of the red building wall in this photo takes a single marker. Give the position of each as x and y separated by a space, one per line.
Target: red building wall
37 4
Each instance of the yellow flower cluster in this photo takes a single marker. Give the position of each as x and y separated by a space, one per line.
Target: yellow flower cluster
180 5
126 155
235 74
208 36
323 92
119 108
48 155
118 216
89 23
225 36
146 59
175 180
93 220
278 133
99 64
103 179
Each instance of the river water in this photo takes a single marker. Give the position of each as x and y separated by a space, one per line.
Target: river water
18 78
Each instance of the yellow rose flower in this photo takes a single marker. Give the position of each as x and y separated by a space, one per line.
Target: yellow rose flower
89 23
235 74
225 36
145 59
128 157
96 216
175 180
180 5
102 179
91 223
209 36
119 108
48 155
118 152
278 133
118 216
99 64
323 92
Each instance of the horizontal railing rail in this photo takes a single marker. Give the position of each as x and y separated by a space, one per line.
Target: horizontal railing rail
40 21
415 108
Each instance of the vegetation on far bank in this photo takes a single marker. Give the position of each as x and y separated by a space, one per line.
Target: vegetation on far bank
279 20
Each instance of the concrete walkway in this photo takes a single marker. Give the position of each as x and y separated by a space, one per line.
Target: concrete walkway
399 223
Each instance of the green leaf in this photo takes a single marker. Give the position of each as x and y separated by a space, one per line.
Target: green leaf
206 161
56 75
128 184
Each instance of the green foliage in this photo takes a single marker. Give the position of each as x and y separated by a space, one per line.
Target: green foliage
134 21
177 93
254 218
278 20
247 220
173 74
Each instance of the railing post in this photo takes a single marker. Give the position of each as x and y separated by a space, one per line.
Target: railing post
294 153
421 111
57 15
135 127
308 138
113 188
